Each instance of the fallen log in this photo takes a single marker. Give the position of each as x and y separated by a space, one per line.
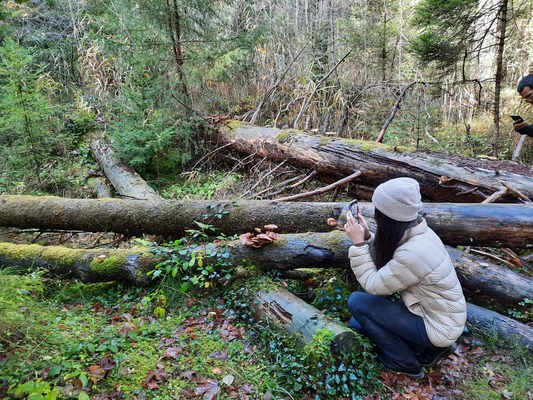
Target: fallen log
483 280
460 180
125 180
102 265
494 225
296 317
290 252
100 188
293 315
506 328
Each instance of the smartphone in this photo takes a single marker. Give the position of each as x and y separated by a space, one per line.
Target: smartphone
353 208
517 118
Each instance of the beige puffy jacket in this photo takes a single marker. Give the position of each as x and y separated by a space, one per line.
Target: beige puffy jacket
421 270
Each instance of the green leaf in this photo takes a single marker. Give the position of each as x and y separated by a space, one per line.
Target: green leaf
55 370
83 379
83 396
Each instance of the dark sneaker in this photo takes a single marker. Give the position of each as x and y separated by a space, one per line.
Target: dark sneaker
430 358
413 371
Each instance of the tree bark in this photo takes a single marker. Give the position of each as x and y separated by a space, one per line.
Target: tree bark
460 180
507 328
290 252
125 180
494 225
498 76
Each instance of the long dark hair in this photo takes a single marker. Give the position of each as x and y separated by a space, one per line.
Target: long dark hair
389 232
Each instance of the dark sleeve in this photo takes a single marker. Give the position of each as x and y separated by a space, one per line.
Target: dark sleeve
527 130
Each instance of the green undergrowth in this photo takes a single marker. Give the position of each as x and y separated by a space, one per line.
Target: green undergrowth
108 340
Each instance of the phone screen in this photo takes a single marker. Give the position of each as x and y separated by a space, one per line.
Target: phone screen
353 208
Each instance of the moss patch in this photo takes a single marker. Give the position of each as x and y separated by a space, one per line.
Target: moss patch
234 124
20 251
107 265
61 255
367 145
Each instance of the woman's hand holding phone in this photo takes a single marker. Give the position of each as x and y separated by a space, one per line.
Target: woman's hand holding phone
356 227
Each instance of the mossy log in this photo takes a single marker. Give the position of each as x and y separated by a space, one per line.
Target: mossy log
124 179
307 250
456 180
494 225
128 265
296 317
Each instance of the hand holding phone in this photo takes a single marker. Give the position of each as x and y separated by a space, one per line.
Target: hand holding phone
353 208
517 118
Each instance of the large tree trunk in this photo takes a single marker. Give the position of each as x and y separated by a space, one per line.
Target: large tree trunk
125 180
459 180
290 252
494 225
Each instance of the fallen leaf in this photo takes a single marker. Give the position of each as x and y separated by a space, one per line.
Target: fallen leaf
208 389
173 352
96 371
228 379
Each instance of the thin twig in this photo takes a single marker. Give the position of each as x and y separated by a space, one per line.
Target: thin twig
495 196
210 154
307 178
270 91
516 192
321 190
515 257
493 256
306 100
277 185
263 178
395 108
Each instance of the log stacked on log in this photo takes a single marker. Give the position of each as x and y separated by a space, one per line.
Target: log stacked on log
125 180
456 180
470 224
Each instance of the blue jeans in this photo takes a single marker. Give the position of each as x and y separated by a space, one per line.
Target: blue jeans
398 333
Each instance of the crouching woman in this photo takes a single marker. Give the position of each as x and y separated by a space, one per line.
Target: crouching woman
406 256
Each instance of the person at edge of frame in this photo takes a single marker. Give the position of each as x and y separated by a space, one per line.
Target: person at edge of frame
525 89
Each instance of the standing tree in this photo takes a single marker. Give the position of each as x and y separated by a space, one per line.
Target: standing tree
456 34
26 114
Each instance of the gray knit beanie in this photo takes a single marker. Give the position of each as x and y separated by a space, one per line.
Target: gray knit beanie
398 199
